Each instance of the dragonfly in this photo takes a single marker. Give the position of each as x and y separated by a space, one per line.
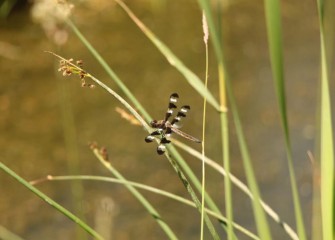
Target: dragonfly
164 128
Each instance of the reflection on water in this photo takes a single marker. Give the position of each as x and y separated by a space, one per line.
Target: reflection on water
32 115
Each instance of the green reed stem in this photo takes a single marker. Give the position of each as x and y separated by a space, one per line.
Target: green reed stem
205 30
326 135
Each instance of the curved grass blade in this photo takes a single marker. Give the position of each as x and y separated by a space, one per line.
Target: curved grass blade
259 215
326 137
6 234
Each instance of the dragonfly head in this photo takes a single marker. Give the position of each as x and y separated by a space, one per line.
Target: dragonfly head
153 123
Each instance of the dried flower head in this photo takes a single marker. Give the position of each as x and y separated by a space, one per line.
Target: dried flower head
205 27
67 67
93 145
101 150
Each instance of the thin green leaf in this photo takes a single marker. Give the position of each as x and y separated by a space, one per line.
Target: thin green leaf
326 135
6 234
203 166
261 221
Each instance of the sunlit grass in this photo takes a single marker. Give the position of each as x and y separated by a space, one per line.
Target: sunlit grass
326 134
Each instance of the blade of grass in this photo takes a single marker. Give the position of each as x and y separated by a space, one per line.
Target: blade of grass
6 234
6 7
272 12
225 155
316 229
326 135
259 215
51 202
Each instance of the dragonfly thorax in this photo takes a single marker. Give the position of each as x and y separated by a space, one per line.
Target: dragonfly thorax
158 124
164 128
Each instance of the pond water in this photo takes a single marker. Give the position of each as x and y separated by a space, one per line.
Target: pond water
47 121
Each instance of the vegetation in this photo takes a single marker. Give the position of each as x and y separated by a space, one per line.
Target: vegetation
210 214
